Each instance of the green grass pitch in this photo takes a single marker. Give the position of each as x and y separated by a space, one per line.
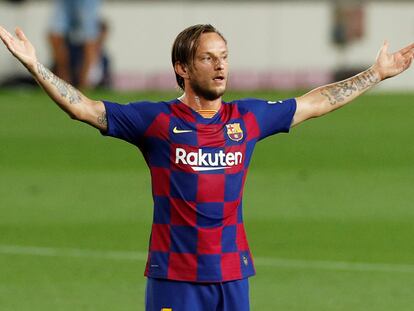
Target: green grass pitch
328 209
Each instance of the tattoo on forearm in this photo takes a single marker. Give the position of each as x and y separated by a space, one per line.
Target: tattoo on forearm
45 74
366 79
339 92
65 90
102 119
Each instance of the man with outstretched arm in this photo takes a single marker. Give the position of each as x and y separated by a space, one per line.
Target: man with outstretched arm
198 149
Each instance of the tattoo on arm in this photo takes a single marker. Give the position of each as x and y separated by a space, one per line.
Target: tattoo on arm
65 90
102 120
339 92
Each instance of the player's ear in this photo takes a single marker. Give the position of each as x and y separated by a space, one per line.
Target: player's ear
181 70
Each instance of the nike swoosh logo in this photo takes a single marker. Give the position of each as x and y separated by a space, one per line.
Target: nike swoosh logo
272 102
177 131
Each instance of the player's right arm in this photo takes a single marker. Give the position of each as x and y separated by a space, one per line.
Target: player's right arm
71 100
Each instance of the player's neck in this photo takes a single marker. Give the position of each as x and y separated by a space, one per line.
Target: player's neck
198 103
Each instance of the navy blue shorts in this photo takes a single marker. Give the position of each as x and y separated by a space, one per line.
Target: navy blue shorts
167 295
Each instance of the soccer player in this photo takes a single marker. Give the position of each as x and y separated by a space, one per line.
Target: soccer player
198 149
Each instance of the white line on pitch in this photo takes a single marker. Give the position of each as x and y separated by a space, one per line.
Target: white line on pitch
334 265
259 261
70 252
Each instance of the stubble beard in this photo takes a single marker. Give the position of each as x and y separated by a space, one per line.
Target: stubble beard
204 92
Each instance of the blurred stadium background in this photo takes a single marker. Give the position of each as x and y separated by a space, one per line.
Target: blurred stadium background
328 208
273 44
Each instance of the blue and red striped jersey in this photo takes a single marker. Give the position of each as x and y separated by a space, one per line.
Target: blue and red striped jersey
198 168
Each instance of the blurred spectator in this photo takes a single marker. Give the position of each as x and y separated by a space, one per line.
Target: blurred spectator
348 23
75 23
348 27
99 74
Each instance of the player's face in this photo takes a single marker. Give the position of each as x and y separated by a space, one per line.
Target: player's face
209 73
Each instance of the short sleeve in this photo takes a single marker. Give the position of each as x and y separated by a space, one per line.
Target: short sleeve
129 122
272 116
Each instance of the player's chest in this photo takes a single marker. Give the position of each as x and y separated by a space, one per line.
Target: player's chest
199 146
218 135
204 133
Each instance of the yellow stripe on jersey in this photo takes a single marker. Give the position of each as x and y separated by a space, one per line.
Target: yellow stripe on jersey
207 113
166 309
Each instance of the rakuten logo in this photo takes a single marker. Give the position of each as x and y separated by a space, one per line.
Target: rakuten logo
204 161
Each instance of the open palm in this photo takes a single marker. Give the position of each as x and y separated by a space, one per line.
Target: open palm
390 65
19 46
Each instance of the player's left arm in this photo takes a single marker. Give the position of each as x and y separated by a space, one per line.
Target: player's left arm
325 99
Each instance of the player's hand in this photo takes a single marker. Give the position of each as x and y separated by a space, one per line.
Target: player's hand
19 46
389 65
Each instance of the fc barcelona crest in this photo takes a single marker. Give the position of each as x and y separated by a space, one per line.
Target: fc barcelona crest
234 131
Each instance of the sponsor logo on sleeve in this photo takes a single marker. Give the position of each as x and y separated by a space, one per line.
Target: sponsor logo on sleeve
270 102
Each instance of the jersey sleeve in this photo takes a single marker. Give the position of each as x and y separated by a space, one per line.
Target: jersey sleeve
272 116
129 122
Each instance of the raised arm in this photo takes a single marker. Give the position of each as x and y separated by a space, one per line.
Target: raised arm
325 99
72 101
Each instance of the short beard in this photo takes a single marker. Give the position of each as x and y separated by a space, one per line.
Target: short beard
205 93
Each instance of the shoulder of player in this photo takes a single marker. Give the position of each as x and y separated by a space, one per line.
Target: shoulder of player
147 107
162 105
255 103
247 104
139 109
